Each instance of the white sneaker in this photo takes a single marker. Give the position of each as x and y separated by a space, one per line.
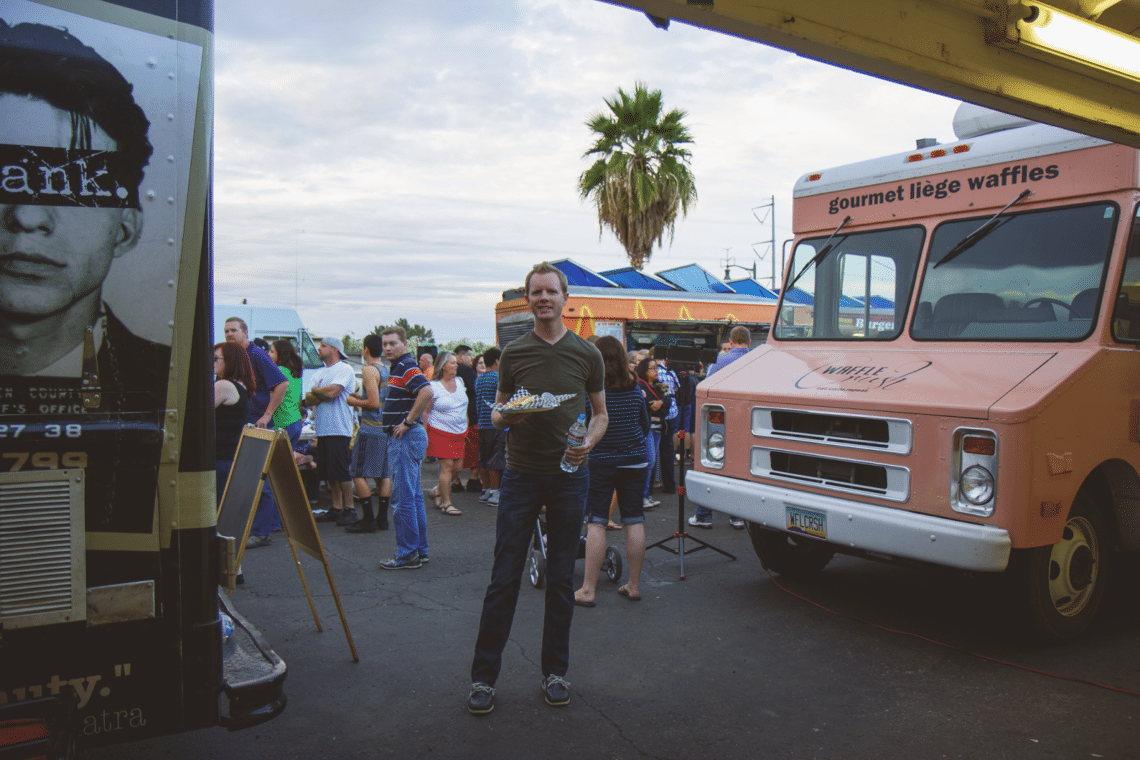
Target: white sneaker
649 503
493 499
485 495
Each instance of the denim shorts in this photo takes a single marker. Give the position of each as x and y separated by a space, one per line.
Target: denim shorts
629 482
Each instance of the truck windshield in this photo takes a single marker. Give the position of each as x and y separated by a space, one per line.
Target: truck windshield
1036 276
858 291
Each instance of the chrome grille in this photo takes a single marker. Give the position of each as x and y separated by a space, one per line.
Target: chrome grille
42 578
846 475
847 430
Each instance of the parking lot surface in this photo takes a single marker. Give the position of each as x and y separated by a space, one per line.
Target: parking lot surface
866 660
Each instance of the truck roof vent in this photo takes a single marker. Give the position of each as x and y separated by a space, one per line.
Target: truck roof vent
972 120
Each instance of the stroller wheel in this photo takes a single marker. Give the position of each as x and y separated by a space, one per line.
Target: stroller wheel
536 568
612 564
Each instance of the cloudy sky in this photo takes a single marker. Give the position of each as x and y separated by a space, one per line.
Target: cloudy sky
414 159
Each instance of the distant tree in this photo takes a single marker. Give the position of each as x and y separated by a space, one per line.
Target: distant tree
476 347
351 344
641 178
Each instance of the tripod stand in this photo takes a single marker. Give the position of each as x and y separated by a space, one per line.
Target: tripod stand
683 395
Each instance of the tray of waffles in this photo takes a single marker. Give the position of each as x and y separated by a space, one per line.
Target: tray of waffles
525 402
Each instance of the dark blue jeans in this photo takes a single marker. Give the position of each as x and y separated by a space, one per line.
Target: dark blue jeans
520 499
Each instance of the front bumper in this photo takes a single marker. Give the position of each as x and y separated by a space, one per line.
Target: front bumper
887 531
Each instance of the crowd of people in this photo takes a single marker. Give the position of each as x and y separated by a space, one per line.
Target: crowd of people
370 444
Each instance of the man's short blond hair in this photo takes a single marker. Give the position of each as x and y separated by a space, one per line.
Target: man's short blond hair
547 268
396 330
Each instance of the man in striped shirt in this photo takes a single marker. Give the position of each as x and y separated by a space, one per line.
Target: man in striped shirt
409 393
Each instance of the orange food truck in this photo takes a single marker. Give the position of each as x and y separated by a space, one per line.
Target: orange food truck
986 417
684 306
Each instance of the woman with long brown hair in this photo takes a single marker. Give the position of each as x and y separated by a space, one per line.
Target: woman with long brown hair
657 400
233 382
617 461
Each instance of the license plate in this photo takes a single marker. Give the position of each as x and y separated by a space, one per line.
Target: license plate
806 522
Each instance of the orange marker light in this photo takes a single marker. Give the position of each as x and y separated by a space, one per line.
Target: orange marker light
981 446
961 148
814 177
937 153
914 157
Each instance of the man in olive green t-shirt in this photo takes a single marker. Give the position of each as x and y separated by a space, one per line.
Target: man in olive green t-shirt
550 359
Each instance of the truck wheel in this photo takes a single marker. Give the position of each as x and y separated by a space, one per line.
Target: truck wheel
788 555
1064 583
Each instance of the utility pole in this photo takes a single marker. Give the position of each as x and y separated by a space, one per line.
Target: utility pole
767 217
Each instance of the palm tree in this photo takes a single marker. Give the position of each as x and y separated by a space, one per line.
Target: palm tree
641 178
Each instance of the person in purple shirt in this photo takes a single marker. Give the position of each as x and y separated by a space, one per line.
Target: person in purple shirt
739 340
271 385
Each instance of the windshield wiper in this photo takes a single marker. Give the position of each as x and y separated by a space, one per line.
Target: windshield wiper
976 236
816 259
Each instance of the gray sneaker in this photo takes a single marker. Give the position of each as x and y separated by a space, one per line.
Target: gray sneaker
556 690
347 517
483 497
493 499
481 700
410 562
256 541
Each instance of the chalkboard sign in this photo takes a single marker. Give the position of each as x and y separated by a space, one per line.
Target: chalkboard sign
293 502
243 490
266 454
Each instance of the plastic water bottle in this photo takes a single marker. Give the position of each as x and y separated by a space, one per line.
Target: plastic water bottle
574 438
227 626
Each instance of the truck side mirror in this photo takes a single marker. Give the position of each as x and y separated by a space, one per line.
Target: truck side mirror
1126 327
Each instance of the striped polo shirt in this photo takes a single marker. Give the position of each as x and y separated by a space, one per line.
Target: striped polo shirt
404 381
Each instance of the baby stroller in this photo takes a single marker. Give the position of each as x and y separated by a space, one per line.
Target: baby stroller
536 565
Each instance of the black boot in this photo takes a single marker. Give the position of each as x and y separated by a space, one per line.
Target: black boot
382 512
366 524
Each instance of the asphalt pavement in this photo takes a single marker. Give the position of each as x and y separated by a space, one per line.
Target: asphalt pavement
866 660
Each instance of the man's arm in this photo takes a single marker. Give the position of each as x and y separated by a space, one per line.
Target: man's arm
423 397
276 396
370 379
501 420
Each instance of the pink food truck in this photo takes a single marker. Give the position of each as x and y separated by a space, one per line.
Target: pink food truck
964 390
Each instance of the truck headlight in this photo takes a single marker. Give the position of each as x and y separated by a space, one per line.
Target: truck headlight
716 447
973 464
712 436
976 485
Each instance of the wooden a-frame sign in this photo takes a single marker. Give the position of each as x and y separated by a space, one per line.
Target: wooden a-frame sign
266 454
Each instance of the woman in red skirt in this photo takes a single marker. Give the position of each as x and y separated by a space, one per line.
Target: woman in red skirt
446 422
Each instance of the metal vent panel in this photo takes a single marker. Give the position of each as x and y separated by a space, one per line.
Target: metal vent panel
42 567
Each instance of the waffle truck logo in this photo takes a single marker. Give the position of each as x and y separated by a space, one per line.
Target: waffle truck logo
858 378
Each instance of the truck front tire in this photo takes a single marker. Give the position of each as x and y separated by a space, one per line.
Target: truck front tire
1064 584
788 555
